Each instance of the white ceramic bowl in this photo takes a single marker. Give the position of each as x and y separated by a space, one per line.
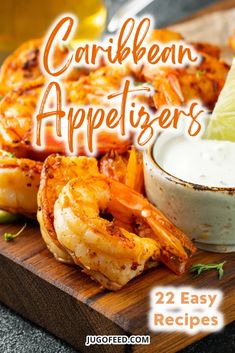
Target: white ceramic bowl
205 214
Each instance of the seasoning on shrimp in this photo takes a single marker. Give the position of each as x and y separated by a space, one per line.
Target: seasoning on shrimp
57 171
121 251
19 182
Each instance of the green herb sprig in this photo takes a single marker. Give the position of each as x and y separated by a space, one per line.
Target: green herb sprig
197 269
10 236
7 154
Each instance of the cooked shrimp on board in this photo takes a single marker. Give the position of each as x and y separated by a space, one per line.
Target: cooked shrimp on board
92 211
104 226
19 183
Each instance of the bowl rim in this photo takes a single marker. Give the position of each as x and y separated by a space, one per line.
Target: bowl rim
148 153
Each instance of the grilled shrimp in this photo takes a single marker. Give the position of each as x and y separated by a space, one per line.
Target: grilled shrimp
16 119
126 168
207 48
178 86
23 65
18 107
113 252
19 183
109 254
57 171
131 209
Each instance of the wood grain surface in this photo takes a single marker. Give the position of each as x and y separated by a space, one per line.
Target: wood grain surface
69 304
66 302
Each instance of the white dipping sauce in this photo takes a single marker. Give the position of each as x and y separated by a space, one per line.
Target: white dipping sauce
204 162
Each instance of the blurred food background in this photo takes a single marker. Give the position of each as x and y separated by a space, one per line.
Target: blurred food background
21 20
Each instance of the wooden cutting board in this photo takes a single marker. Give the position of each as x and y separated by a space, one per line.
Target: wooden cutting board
63 300
67 303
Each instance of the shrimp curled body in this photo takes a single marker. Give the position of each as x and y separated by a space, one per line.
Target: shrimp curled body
19 183
110 251
56 172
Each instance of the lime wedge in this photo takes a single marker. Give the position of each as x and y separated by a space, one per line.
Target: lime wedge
221 125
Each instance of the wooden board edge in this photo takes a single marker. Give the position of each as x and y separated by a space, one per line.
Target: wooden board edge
50 308
60 313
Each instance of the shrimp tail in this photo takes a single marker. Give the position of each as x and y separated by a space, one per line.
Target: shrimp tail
176 247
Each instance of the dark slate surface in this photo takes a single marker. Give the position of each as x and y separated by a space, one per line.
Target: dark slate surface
18 335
